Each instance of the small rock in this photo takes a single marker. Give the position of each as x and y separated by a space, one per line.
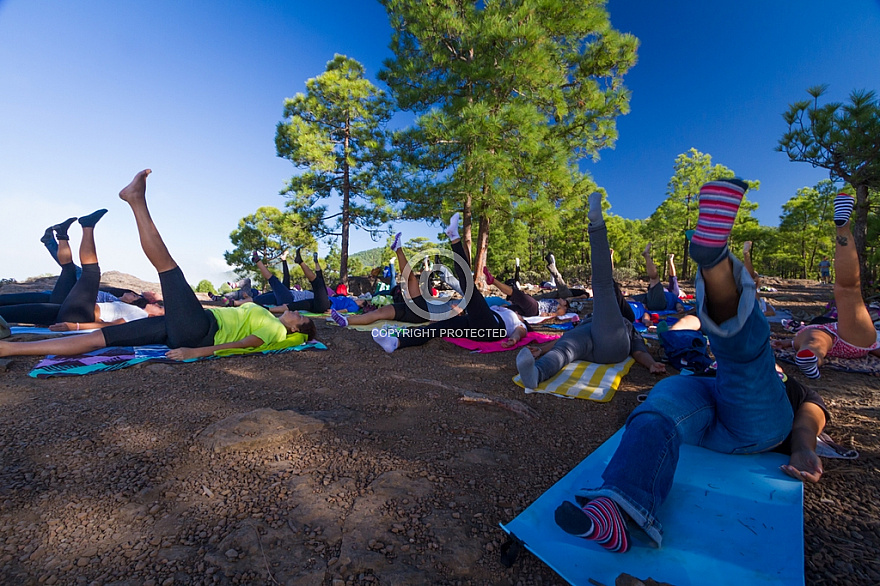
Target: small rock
231 554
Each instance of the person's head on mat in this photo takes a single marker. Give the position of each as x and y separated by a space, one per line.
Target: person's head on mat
296 323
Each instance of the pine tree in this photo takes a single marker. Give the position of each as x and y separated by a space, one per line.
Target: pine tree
843 139
509 94
335 134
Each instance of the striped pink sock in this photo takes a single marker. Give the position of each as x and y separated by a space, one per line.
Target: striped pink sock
609 526
719 203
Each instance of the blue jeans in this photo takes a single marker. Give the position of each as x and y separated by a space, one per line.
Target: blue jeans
743 410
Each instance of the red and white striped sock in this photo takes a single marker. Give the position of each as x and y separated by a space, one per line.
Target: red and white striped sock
719 203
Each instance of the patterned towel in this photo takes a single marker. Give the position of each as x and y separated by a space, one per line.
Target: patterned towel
118 357
487 347
17 330
584 380
867 365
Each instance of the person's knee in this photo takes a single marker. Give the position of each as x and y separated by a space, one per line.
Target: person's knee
648 419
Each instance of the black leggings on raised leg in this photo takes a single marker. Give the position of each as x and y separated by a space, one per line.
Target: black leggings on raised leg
478 316
186 324
77 305
320 303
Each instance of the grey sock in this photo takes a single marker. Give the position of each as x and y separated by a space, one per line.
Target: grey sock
595 213
525 364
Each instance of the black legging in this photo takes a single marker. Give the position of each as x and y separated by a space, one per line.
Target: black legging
522 303
281 294
478 316
319 304
185 323
77 305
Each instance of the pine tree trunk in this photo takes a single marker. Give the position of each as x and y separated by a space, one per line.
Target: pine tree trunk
465 227
482 247
346 211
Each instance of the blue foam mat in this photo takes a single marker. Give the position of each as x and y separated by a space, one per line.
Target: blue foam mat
728 520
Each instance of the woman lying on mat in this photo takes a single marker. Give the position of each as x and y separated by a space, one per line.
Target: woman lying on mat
853 335
71 305
744 409
523 303
477 322
399 310
606 338
283 298
189 329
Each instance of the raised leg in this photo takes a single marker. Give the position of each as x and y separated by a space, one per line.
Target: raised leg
854 323
135 194
650 267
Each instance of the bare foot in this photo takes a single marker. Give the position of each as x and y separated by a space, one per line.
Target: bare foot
137 189
747 247
670 257
647 251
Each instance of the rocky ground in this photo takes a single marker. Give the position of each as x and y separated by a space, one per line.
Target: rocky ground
345 467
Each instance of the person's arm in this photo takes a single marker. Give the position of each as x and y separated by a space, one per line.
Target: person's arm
518 334
188 353
69 326
804 464
539 350
646 360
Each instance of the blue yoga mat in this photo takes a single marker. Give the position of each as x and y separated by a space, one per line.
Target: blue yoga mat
728 520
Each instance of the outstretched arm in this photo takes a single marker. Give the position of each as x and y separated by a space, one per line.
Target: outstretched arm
69 326
804 464
646 360
189 353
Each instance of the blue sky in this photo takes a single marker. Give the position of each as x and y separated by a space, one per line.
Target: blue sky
92 91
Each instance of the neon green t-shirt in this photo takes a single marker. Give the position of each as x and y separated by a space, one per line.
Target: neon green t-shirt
237 323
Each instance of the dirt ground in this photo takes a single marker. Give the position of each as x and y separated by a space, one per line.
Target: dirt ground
371 469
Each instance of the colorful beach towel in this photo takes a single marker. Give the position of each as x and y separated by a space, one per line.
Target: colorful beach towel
867 365
584 380
487 347
118 357
34 330
728 520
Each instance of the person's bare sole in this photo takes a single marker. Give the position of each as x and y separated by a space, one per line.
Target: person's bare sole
137 189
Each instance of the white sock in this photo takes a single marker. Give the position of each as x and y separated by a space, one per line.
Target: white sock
388 343
452 228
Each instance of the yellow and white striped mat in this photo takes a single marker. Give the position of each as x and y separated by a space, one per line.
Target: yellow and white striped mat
584 380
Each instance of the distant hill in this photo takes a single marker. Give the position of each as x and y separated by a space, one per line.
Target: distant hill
372 257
